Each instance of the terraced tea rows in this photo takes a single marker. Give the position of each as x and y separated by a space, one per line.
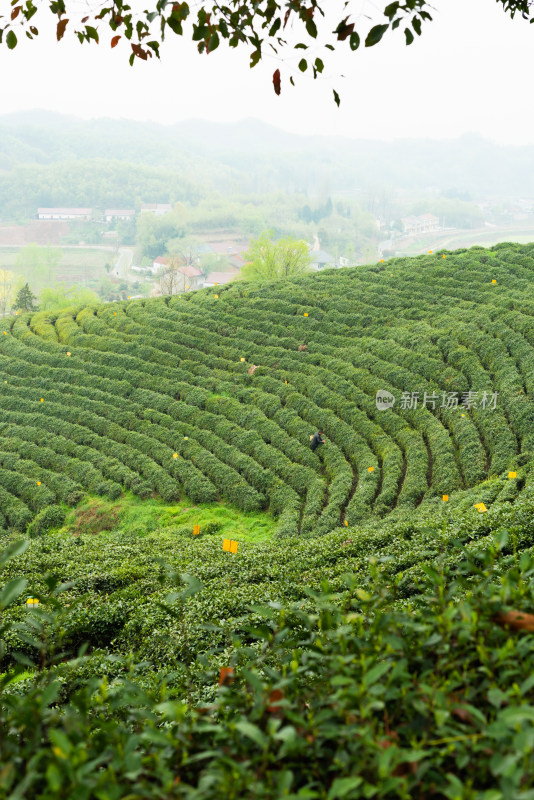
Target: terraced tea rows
215 393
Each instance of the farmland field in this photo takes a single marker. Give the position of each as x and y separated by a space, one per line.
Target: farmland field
125 425
80 265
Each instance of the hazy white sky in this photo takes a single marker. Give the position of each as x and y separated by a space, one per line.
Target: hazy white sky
471 71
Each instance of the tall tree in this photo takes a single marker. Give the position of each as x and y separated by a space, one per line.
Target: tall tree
24 299
6 291
274 260
260 26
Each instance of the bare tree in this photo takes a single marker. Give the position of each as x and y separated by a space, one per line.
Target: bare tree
172 280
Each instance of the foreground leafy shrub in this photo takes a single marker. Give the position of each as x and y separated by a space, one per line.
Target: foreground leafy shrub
345 695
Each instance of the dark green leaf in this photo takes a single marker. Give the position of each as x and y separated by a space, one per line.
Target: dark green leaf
375 35
11 40
11 591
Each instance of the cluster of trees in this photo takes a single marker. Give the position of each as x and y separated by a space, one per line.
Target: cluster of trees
316 215
86 183
346 230
269 259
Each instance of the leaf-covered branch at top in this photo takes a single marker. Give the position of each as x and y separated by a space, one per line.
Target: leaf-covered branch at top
259 25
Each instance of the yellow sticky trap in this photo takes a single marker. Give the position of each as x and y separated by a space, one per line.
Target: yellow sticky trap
230 546
32 601
305 313
444 256
216 296
445 497
128 297
480 507
346 523
285 382
512 474
196 530
494 281
187 286
241 359
186 438
233 547
462 415
68 354
175 455
370 469
114 313
42 399
381 260
5 333
216 284
38 483
430 251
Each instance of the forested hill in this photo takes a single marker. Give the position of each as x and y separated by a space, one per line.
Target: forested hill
250 155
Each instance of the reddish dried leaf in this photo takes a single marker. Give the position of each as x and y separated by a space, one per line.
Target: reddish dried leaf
463 714
277 81
274 699
115 41
62 24
302 347
226 676
15 12
139 52
517 620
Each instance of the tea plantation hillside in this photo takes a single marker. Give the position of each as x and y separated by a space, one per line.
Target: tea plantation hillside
373 634
214 394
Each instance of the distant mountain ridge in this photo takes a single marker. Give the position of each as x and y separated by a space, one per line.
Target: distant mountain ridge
263 157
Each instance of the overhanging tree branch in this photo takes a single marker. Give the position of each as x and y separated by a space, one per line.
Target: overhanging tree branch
254 24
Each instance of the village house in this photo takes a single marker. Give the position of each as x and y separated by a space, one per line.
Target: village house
192 277
112 214
159 264
64 213
321 260
424 223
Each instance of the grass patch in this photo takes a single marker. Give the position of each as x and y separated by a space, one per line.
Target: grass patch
130 514
77 265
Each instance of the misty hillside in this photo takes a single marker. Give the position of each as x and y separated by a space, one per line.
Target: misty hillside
250 156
